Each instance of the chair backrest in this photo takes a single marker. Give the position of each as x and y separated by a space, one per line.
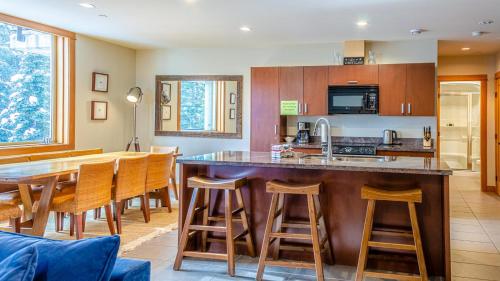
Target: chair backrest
131 177
50 155
93 187
14 159
158 170
86 152
167 149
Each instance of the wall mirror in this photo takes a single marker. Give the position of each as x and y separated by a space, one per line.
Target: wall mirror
198 105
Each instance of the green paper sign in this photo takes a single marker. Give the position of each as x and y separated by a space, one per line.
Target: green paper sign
289 107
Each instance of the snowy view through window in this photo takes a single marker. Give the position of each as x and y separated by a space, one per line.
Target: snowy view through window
197 101
25 85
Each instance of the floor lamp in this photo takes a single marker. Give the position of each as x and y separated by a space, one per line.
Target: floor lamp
134 96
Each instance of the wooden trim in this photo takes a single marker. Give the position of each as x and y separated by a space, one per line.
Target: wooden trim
497 132
38 26
483 78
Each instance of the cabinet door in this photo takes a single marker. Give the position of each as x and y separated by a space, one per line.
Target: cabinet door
315 90
420 89
265 118
353 74
291 84
392 89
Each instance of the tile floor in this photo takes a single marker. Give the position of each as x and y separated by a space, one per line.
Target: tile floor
475 234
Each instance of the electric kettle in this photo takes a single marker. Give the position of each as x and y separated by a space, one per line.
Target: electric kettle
390 136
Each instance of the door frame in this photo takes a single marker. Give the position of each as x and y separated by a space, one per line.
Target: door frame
497 131
483 78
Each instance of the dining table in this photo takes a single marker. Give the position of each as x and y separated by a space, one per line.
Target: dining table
46 173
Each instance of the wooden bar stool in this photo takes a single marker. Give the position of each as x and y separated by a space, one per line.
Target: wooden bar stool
189 229
316 224
410 197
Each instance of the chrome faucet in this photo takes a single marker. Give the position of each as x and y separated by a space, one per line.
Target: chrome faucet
328 137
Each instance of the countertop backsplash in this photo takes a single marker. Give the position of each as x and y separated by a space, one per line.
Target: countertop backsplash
368 125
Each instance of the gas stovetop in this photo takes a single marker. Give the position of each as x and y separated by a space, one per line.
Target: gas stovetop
354 148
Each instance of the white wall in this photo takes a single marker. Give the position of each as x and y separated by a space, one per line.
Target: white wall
237 61
474 65
97 56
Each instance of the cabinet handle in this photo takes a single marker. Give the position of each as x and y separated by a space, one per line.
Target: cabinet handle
305 107
276 129
352 82
402 109
409 108
300 108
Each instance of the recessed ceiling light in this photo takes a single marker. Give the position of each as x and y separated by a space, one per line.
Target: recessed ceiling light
87 5
477 33
103 16
362 23
486 22
245 29
465 49
416 31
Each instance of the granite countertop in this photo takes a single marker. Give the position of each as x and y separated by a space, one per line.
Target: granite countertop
405 144
391 164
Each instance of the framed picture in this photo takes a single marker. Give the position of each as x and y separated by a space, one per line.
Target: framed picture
232 98
100 82
99 110
166 112
232 113
166 93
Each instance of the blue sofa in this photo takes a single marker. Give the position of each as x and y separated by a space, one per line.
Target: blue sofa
26 258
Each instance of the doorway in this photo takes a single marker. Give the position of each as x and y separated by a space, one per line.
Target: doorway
462 123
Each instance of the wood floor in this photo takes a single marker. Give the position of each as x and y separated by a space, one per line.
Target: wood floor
475 219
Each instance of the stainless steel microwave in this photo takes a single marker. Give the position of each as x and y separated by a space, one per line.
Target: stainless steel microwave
353 99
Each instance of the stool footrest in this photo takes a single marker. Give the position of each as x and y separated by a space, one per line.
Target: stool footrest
293 264
394 276
296 224
204 255
298 236
391 231
208 228
386 245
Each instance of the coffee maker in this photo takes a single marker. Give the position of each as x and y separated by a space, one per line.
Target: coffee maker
303 132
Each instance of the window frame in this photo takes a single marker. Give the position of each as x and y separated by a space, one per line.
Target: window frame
64 98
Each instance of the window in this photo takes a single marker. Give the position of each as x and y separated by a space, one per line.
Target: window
36 87
26 85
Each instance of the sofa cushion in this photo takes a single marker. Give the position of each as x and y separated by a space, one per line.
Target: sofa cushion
19 266
131 270
88 259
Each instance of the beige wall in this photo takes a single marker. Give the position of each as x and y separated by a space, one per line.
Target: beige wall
473 65
97 56
237 61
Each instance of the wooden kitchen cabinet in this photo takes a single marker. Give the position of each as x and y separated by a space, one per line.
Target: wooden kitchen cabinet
265 115
407 89
315 90
420 89
291 85
392 89
353 74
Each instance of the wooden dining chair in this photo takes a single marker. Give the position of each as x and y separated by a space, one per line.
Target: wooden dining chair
157 179
130 183
91 190
173 174
12 213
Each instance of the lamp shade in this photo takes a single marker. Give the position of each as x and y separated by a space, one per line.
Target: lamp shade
134 95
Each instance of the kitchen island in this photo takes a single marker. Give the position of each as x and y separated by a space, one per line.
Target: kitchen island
342 206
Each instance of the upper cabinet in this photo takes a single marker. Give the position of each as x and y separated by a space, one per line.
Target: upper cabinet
407 89
353 74
315 90
291 85
420 89
392 89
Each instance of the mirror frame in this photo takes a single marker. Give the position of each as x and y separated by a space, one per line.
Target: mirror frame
200 134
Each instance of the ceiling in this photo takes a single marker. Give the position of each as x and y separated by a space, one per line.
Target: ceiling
214 23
